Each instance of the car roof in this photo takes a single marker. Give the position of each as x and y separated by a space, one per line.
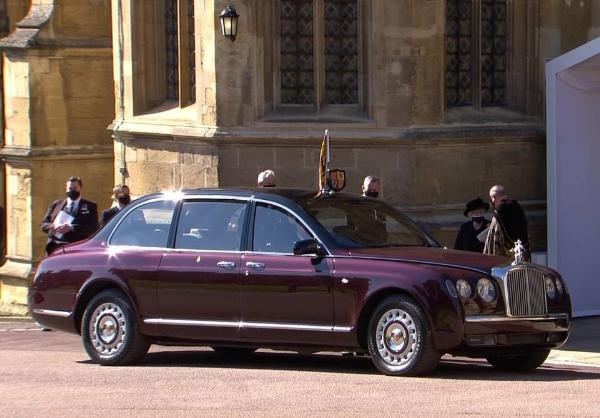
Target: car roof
272 193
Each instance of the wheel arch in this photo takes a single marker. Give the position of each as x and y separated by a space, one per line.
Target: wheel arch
91 289
373 302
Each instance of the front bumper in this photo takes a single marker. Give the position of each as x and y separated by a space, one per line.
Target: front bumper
503 332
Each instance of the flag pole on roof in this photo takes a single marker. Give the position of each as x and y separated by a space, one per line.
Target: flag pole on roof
331 180
324 160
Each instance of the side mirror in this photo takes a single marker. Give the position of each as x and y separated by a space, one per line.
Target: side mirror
308 246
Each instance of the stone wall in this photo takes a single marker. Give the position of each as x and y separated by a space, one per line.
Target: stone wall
58 98
154 164
430 174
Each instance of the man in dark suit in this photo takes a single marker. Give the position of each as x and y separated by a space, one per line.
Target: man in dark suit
508 225
121 196
70 220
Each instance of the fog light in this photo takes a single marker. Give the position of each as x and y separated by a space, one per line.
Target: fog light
481 340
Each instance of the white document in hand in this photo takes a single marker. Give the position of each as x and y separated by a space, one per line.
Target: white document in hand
61 219
483 234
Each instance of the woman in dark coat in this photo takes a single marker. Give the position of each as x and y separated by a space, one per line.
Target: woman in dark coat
466 239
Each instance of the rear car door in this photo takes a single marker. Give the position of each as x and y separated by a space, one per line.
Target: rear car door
200 277
135 250
284 298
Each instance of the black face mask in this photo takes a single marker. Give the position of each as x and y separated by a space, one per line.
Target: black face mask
369 193
124 200
478 219
73 194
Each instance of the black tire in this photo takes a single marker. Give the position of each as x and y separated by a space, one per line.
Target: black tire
121 341
521 362
399 339
234 351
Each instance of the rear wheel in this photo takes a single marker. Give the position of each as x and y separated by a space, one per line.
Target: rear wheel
520 363
110 332
399 339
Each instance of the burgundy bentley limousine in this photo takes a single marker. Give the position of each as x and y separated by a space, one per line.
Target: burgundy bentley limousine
239 270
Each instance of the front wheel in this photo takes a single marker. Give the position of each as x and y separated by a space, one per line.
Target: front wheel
399 339
110 332
521 362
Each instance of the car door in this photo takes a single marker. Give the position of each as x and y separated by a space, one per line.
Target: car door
135 249
284 298
200 277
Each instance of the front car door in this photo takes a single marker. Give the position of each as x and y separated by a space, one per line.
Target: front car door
200 277
284 298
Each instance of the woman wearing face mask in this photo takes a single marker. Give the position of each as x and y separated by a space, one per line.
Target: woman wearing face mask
121 197
467 236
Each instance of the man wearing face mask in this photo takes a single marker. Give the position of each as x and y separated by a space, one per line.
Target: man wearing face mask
121 196
70 220
466 239
371 187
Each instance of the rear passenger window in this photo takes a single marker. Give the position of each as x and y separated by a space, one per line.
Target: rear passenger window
146 226
210 225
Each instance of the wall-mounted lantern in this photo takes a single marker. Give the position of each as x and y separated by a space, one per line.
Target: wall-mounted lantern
229 22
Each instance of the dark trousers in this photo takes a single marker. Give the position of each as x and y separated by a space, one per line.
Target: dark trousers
52 245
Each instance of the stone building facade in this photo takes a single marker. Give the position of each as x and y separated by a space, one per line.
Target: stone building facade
58 100
443 98
440 98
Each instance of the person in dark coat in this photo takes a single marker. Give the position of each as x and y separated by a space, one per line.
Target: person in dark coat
467 239
508 225
121 195
70 220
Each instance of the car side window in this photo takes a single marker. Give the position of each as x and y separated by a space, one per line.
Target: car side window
276 231
210 225
146 226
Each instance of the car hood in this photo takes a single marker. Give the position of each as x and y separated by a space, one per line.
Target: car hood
433 256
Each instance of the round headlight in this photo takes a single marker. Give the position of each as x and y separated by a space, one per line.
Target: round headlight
486 290
550 288
451 289
464 289
559 286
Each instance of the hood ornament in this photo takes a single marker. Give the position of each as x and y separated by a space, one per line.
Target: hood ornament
519 252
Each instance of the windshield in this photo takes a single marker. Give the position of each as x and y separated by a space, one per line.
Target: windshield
356 222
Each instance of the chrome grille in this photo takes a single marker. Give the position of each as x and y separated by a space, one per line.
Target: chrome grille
526 293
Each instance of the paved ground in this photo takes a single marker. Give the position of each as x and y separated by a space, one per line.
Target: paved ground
583 345
47 374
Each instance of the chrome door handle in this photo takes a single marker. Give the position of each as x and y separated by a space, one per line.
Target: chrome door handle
227 265
255 266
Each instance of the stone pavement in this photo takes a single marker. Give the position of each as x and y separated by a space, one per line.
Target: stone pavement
582 347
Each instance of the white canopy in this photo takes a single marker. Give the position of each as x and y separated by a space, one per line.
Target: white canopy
573 153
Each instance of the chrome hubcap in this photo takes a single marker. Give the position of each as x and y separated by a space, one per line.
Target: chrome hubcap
396 338
108 329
